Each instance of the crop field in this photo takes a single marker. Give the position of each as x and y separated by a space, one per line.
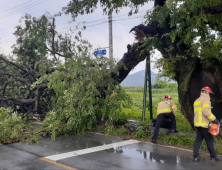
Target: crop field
136 94
134 111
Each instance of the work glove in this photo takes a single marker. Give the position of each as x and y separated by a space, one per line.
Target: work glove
216 121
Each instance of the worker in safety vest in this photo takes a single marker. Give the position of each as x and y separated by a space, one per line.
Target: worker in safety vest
202 117
166 109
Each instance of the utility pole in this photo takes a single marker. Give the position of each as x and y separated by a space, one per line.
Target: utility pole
110 37
147 79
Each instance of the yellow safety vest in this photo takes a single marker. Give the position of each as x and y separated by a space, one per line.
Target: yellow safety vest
201 120
165 110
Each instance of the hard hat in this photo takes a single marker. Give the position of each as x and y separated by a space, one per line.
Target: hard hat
167 97
208 89
213 128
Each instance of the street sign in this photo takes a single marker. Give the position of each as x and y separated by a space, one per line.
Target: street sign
100 52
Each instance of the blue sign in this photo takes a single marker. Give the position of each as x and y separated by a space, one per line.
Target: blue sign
100 52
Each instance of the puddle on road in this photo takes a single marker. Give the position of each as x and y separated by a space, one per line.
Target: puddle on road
64 144
130 153
141 154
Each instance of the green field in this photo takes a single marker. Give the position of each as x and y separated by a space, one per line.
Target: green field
135 110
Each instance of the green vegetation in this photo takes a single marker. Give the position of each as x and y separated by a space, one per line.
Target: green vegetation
13 128
136 93
83 97
134 112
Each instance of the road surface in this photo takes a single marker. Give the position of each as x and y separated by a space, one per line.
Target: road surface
98 152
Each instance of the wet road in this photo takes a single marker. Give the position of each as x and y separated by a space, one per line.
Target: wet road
96 151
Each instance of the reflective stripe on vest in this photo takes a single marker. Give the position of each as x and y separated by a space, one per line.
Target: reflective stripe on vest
200 114
211 116
167 110
165 102
206 106
163 110
201 124
196 103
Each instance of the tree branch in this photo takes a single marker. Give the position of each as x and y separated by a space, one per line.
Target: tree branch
20 100
40 89
13 64
29 71
159 2
213 10
51 51
128 62
15 77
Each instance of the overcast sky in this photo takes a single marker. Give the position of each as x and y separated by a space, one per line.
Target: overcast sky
97 31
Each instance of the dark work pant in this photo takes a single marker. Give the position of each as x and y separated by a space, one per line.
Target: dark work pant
202 133
159 120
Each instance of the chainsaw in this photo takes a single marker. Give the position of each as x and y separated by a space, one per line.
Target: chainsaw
214 128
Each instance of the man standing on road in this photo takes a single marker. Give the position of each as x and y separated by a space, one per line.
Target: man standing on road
166 109
202 117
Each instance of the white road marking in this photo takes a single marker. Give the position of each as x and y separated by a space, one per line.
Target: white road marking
89 150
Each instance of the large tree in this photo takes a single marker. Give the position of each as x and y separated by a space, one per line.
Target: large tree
188 35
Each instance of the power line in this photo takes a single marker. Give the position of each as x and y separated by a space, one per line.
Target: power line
123 24
68 28
112 20
10 27
127 18
100 23
16 6
97 24
107 20
82 23
6 28
19 10
6 42
7 39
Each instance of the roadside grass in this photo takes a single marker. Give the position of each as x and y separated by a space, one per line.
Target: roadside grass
134 112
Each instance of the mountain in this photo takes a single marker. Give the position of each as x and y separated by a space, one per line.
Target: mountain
137 79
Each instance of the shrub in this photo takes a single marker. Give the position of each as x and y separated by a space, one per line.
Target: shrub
140 133
13 128
120 119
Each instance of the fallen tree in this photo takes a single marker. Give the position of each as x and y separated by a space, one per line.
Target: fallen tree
180 30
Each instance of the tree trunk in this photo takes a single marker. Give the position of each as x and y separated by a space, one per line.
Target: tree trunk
184 72
207 73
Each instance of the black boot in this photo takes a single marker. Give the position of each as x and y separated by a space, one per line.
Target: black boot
154 141
198 159
174 131
216 158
